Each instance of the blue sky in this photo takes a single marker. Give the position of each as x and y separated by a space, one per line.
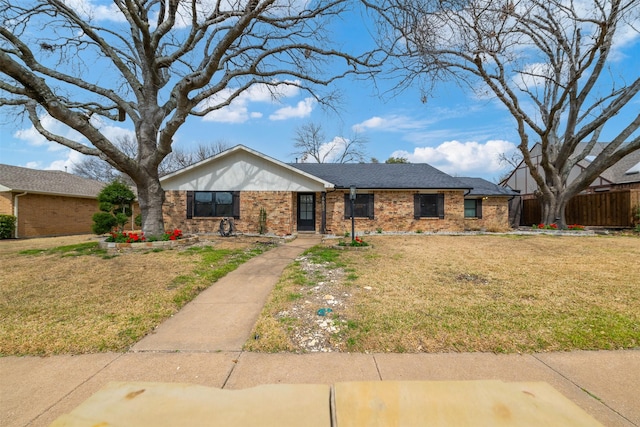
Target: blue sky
453 131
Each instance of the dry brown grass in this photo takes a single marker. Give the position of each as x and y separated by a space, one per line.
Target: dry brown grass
489 293
56 303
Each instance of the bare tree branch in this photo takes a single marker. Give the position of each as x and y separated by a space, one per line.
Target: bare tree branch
152 64
548 62
312 146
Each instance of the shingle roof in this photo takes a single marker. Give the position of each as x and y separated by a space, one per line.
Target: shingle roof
60 183
383 175
482 187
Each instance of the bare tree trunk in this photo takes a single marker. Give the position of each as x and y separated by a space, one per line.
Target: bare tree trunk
151 198
553 209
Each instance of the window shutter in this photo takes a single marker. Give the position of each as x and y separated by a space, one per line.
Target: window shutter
479 208
441 206
189 204
416 206
236 204
347 206
371 204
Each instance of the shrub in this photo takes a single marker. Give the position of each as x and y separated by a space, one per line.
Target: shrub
115 205
103 222
7 226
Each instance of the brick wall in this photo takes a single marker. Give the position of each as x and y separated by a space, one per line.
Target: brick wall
279 205
495 216
393 212
43 215
6 203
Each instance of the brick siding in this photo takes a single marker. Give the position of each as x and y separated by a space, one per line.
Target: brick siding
6 203
393 212
43 215
279 206
495 216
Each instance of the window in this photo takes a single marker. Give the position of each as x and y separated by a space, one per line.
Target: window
213 204
428 206
473 208
362 206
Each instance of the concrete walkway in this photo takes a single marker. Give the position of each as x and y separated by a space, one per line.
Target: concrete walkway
202 345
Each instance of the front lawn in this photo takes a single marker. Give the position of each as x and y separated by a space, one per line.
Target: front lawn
76 298
432 293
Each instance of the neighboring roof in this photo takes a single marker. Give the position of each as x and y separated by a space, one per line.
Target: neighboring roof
383 175
17 179
626 170
483 188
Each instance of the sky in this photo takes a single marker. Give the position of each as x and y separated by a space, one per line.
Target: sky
453 130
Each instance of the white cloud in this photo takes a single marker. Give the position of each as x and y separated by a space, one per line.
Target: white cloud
239 110
32 137
87 9
330 151
393 123
73 157
462 158
302 109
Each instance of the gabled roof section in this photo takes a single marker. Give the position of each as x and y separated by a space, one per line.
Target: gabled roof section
483 188
18 179
392 176
237 152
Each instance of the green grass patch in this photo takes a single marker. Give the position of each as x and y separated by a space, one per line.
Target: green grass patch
72 304
450 294
88 248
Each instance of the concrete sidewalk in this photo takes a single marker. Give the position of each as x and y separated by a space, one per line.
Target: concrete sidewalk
202 345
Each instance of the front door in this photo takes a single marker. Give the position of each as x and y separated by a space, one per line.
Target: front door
306 212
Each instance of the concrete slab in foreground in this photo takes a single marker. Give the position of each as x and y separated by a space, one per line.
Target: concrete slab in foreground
373 403
170 405
455 403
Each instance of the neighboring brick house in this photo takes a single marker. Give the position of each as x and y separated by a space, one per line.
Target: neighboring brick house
308 197
48 203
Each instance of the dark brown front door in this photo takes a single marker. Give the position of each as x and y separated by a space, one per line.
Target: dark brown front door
306 212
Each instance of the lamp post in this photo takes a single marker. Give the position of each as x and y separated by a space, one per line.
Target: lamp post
352 197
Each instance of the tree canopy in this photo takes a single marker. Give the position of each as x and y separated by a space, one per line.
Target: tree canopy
151 64
557 66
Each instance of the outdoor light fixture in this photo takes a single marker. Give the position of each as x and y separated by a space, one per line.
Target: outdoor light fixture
352 197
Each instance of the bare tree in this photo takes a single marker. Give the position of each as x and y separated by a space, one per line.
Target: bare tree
311 145
100 170
551 63
154 63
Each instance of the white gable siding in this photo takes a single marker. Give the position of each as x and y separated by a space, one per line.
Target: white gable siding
241 171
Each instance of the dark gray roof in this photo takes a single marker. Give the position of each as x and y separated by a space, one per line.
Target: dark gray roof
60 183
383 175
482 188
618 172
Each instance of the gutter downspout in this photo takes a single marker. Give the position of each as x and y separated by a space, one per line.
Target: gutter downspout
15 211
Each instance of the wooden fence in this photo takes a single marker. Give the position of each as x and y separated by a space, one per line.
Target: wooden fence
610 209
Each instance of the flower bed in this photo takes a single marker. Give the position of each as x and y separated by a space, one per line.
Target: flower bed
572 227
138 241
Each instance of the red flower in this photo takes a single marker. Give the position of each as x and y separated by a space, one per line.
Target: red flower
172 237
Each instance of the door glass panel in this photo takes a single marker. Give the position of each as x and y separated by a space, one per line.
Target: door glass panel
306 207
